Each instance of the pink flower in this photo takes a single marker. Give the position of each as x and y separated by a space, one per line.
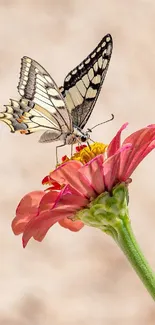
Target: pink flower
75 184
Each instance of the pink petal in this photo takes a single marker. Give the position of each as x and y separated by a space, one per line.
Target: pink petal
71 225
48 200
67 204
68 174
116 142
38 227
136 162
111 167
26 210
70 199
64 172
141 141
93 171
151 126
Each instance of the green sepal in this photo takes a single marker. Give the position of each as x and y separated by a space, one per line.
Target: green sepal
108 211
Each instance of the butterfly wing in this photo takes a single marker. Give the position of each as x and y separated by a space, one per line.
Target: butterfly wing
12 116
83 84
37 85
41 107
27 117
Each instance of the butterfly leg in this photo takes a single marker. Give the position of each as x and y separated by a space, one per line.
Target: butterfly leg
62 145
88 145
71 150
91 140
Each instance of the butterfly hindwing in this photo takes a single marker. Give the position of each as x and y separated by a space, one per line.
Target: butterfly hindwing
12 116
83 84
24 116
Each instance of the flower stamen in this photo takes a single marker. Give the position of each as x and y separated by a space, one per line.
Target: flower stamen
85 153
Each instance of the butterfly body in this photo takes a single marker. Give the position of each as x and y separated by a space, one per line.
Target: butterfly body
77 136
61 112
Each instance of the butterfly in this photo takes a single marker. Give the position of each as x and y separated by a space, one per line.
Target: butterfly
61 112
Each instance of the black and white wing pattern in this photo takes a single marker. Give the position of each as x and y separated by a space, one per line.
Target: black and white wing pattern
12 116
83 84
41 107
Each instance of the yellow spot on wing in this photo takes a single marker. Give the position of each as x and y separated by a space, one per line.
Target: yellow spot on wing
42 93
69 102
96 79
91 93
95 66
49 79
68 78
105 63
103 44
74 71
53 92
100 62
57 102
80 85
28 60
87 61
98 49
41 79
76 96
86 80
93 55
44 105
108 39
91 73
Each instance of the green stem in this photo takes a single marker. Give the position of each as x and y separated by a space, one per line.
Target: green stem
109 212
128 244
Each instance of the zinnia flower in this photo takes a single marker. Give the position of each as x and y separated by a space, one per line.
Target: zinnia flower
77 182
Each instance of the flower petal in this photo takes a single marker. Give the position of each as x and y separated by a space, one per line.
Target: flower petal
68 174
38 227
142 144
66 205
48 201
26 210
93 171
116 142
71 225
70 199
111 167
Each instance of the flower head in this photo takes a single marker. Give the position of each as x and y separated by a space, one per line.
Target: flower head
75 183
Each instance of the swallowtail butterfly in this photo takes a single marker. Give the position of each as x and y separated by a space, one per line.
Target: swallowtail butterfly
61 112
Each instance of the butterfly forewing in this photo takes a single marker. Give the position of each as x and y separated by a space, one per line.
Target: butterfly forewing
83 84
37 85
41 107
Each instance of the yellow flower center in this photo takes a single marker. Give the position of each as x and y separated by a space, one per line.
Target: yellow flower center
87 153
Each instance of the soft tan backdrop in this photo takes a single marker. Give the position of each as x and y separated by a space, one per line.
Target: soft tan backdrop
83 278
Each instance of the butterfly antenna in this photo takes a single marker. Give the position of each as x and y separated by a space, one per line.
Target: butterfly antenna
112 117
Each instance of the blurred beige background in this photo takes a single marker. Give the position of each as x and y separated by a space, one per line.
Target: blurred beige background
82 278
